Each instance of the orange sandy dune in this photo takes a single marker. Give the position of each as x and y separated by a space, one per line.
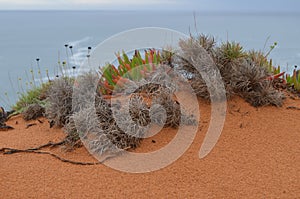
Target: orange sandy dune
257 156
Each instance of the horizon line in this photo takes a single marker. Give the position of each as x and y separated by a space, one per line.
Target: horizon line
157 10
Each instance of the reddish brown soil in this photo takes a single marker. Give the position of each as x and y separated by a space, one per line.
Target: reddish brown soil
257 156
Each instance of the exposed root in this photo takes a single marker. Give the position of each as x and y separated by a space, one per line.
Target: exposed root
7 151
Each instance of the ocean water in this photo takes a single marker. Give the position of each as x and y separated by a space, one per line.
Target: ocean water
27 35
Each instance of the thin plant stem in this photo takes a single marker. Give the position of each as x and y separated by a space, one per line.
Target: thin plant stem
265 44
32 78
20 84
67 54
47 74
7 101
11 83
59 64
27 76
39 70
88 55
75 60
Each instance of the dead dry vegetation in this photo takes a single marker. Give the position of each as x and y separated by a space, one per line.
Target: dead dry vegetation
109 126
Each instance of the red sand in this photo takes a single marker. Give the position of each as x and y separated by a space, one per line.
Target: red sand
257 156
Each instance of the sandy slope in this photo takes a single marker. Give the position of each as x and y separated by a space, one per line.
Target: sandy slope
257 156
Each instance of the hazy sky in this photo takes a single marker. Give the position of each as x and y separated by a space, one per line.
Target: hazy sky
202 5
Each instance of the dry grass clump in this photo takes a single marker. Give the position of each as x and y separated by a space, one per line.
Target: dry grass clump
108 127
3 116
72 139
139 111
208 83
258 58
93 120
100 132
208 43
167 106
160 88
242 73
33 112
249 81
59 101
264 94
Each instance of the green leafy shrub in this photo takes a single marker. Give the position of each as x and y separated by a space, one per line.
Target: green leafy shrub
35 95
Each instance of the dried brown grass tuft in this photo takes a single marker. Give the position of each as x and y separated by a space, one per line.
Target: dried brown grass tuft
59 101
249 81
240 74
108 127
33 112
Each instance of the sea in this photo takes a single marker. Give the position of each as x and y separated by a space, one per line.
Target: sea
26 36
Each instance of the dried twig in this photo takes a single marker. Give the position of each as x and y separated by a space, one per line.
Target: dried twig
7 151
49 144
5 128
293 108
29 125
36 150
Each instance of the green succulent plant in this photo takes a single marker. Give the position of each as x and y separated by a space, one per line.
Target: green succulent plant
232 51
133 69
294 80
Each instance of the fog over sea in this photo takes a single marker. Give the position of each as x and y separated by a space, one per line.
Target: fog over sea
27 35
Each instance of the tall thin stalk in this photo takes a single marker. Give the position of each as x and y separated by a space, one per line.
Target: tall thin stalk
59 65
75 60
39 70
67 55
88 55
